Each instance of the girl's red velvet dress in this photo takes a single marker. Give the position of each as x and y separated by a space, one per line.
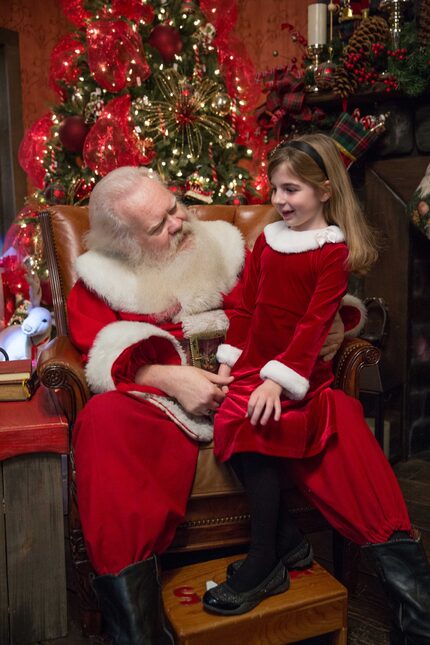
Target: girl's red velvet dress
290 301
293 288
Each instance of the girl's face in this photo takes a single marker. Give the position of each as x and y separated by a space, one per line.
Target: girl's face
299 204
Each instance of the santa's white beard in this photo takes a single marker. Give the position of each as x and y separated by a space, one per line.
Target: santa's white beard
157 258
187 275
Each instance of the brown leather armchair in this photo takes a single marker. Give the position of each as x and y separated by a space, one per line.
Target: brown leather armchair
217 513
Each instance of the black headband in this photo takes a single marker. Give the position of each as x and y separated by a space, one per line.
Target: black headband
309 150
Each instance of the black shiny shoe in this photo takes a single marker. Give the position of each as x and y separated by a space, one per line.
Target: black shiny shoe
300 557
222 599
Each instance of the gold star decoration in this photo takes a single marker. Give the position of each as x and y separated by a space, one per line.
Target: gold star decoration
185 113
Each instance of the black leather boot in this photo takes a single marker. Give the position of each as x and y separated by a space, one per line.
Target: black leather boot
404 571
131 605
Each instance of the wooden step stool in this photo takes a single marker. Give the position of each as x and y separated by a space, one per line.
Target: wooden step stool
315 604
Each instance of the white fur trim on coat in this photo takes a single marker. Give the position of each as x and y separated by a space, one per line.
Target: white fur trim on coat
295 385
228 354
285 240
194 281
198 428
214 321
111 341
352 301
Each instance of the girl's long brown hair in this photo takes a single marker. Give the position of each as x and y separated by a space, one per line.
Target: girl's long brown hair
342 208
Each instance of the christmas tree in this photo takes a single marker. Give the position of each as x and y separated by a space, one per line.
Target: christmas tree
161 83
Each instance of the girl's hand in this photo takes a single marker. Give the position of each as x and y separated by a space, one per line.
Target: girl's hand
265 400
224 371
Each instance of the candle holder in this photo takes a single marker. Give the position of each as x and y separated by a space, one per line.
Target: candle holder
395 9
314 53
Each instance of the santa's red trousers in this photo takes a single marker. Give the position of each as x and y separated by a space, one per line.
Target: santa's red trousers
135 470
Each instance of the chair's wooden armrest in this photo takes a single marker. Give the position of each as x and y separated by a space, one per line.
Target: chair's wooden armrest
353 355
60 368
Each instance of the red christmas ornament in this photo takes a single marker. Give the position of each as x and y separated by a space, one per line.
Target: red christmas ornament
63 66
55 194
135 10
72 132
33 149
167 41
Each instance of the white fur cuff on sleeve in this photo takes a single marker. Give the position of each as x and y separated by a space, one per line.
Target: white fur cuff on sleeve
228 354
295 385
109 344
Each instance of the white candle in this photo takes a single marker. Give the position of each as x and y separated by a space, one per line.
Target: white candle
317 24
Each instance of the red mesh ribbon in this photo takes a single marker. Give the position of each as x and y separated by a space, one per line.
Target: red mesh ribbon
75 12
33 149
63 67
237 66
13 280
135 10
115 54
21 234
222 14
112 142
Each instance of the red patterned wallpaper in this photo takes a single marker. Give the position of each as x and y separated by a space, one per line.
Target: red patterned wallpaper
259 25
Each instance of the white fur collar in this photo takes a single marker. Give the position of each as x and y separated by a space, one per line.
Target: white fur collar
281 238
216 260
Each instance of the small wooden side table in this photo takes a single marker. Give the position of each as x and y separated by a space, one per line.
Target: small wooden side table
33 597
315 604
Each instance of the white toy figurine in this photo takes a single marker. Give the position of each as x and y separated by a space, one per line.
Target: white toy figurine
18 342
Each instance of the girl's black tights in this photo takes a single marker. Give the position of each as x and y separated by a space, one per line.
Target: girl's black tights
260 477
271 530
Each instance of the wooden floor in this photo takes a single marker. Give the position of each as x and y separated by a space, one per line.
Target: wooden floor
368 617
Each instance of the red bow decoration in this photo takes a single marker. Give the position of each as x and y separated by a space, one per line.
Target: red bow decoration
115 55
112 141
285 101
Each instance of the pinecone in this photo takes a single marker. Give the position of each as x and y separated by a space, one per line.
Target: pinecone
344 83
372 30
423 21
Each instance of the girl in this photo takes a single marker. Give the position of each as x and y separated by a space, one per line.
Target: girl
280 404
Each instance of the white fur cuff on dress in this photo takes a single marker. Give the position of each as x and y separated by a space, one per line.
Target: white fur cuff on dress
295 385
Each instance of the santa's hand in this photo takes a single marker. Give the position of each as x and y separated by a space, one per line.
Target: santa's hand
334 339
263 402
198 391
